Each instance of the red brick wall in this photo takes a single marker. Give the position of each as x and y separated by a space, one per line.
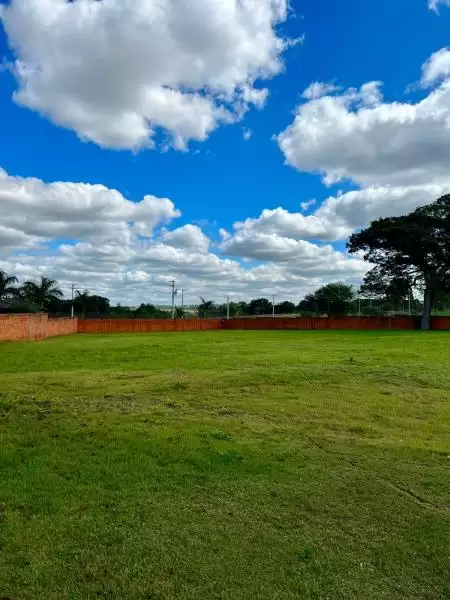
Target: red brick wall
145 325
34 327
440 323
322 323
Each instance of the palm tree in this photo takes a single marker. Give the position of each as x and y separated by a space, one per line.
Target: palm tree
7 290
205 307
41 293
82 298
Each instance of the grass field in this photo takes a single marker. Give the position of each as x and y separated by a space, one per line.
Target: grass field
226 465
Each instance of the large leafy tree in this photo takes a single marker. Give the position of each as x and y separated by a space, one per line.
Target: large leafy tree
334 299
413 249
7 288
86 303
285 308
260 306
41 293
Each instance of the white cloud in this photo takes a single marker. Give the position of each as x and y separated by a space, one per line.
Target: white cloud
114 71
434 4
247 134
358 208
436 68
290 225
318 89
119 249
66 210
358 136
307 205
277 234
397 153
189 237
299 256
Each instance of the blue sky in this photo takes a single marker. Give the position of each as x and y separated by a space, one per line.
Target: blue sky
223 179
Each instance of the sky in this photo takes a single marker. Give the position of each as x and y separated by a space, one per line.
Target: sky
231 145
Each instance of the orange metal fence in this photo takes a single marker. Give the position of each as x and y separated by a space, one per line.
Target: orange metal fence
363 323
146 325
39 326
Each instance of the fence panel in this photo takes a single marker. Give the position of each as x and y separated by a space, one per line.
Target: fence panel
146 325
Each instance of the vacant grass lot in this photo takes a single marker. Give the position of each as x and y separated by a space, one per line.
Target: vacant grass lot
226 465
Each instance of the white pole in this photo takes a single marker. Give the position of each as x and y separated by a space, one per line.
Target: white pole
228 308
72 307
273 305
172 283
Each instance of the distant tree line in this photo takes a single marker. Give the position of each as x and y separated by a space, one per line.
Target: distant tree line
333 299
410 257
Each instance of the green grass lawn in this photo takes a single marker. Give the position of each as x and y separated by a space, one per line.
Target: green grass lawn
226 465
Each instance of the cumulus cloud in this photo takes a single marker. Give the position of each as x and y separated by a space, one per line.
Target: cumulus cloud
93 236
189 237
358 136
358 208
436 68
67 210
117 70
297 255
290 225
277 234
397 153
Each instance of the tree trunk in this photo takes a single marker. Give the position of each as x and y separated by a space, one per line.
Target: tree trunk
427 306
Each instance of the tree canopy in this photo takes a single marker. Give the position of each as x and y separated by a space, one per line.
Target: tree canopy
260 306
41 293
285 308
205 307
408 252
332 299
7 288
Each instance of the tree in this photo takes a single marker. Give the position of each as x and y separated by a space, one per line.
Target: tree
87 303
333 299
205 307
285 308
414 249
7 289
149 311
389 291
179 312
260 306
42 293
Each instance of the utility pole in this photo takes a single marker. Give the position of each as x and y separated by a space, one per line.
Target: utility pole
273 305
72 307
228 308
174 293
182 302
